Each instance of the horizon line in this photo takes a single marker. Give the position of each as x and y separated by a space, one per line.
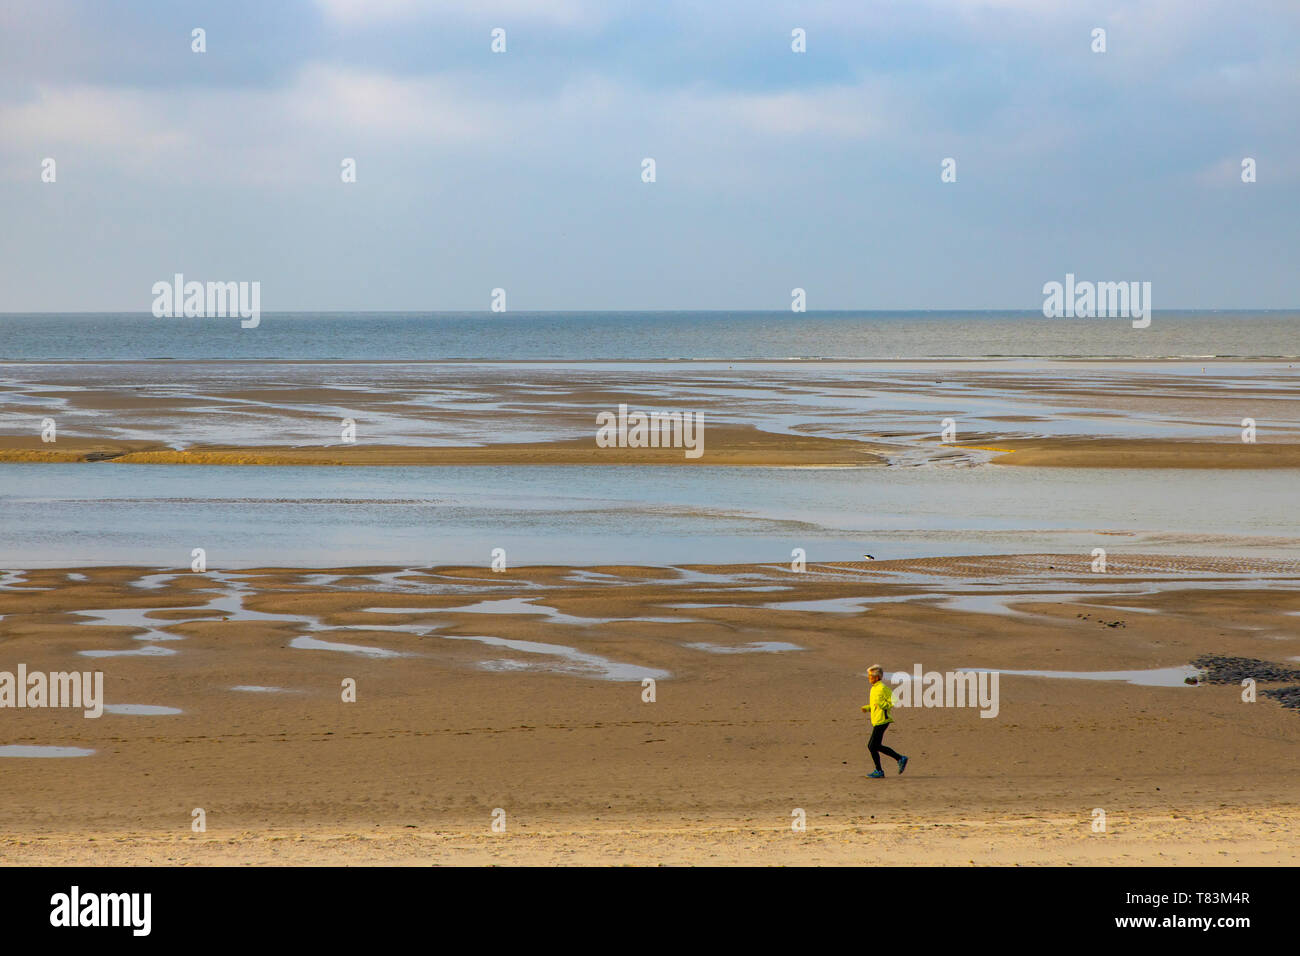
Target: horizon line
489 312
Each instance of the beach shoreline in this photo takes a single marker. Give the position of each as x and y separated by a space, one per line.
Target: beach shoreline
722 446
770 414
726 446
469 699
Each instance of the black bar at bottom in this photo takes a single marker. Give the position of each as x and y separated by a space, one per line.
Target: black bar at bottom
331 906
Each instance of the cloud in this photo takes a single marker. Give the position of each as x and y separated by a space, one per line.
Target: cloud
367 104
260 136
85 116
246 136
768 161
369 13
837 113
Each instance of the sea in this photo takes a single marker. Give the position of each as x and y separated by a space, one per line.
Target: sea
684 336
113 514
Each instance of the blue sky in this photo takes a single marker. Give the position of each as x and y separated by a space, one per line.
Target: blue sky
522 170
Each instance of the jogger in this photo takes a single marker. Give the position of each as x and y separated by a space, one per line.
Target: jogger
881 706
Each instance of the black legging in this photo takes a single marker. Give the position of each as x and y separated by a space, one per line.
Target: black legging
877 748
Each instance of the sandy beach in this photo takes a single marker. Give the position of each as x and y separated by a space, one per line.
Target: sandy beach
1110 453
521 691
775 414
727 446
734 445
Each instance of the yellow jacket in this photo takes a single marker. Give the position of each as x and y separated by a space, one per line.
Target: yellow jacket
882 704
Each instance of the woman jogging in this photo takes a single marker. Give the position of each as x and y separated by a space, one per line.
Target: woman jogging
881 707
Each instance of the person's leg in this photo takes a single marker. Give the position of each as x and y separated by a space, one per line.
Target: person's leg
880 748
874 745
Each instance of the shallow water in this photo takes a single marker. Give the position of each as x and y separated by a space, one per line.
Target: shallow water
141 710
753 647
571 660
152 651
129 617
35 750
86 514
824 606
315 644
258 689
433 405
1156 677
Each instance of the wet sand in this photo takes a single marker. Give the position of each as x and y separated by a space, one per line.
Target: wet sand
735 445
710 772
1104 453
1078 414
726 446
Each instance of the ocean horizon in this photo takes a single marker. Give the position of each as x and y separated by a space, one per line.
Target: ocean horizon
602 335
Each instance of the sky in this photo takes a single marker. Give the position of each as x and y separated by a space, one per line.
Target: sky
774 169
